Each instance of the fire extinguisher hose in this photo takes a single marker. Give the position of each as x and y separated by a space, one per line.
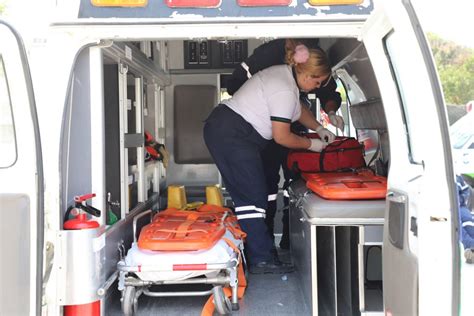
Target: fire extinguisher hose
86 208
68 212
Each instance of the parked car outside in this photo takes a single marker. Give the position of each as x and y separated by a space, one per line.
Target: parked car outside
462 140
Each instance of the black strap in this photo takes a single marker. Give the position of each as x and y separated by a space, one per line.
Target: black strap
321 160
325 150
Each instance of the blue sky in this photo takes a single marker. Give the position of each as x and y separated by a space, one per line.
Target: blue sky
452 19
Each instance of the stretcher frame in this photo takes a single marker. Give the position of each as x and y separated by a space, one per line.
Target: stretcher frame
132 286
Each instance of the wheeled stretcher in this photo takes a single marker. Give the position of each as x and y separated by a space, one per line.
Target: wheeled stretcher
201 246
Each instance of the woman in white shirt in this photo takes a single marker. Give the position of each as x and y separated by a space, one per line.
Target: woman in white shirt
238 129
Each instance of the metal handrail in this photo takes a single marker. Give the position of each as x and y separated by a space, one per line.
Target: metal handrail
104 288
135 219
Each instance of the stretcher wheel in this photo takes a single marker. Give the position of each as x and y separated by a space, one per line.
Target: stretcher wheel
129 301
221 302
235 307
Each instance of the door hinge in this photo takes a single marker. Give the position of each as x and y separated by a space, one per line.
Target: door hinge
414 226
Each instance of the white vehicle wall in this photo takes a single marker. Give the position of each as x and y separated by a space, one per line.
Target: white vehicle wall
421 254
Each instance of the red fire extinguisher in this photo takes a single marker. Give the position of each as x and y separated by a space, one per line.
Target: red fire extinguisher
81 221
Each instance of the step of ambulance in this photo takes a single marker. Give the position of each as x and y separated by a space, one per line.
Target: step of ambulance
347 185
184 230
320 211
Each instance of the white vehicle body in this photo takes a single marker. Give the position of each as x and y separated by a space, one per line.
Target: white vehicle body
420 276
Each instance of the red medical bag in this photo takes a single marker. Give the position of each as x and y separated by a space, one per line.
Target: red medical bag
344 153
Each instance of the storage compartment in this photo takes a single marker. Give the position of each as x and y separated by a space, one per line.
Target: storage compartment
336 248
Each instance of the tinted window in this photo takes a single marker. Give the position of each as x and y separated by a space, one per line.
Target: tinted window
402 71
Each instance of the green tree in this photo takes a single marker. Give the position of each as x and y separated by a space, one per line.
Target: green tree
458 82
455 65
3 6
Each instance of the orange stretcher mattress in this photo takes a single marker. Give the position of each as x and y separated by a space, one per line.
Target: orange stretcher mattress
184 230
362 185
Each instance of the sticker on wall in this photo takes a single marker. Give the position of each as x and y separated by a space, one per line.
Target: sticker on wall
263 3
119 3
334 2
193 3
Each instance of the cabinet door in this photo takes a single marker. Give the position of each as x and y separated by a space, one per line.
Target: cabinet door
303 253
21 183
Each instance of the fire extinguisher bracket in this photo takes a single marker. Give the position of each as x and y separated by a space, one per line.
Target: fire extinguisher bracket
81 261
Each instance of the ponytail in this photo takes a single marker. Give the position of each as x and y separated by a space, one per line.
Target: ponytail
313 61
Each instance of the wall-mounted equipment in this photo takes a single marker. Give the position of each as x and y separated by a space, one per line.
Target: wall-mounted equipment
214 54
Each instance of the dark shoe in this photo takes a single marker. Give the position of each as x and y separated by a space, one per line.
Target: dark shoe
270 268
275 257
285 242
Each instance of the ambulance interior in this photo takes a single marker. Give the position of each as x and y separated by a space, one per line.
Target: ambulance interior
167 88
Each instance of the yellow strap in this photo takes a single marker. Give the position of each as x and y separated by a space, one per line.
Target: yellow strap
194 205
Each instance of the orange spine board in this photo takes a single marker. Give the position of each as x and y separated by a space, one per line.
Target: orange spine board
347 185
179 230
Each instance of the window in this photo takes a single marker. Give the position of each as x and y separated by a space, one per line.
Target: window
7 131
402 65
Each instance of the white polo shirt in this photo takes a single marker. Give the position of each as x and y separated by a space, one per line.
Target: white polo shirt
270 95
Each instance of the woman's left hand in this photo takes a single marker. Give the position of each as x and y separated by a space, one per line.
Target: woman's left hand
336 120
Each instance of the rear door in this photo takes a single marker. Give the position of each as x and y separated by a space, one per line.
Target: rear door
420 250
21 183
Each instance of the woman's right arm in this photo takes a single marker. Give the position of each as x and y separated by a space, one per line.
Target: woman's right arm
283 136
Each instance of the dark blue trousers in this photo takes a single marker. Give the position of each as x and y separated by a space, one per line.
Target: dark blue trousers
236 149
467 227
274 157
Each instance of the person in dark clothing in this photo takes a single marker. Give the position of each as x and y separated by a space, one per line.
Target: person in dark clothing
466 218
274 53
274 155
239 128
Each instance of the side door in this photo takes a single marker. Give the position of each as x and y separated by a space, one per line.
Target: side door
21 183
420 245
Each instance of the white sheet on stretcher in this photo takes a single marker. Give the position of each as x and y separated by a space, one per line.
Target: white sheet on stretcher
164 260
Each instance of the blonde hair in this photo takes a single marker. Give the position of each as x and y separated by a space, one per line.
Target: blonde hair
317 63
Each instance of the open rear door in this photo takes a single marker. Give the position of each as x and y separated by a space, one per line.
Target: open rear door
21 183
420 246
